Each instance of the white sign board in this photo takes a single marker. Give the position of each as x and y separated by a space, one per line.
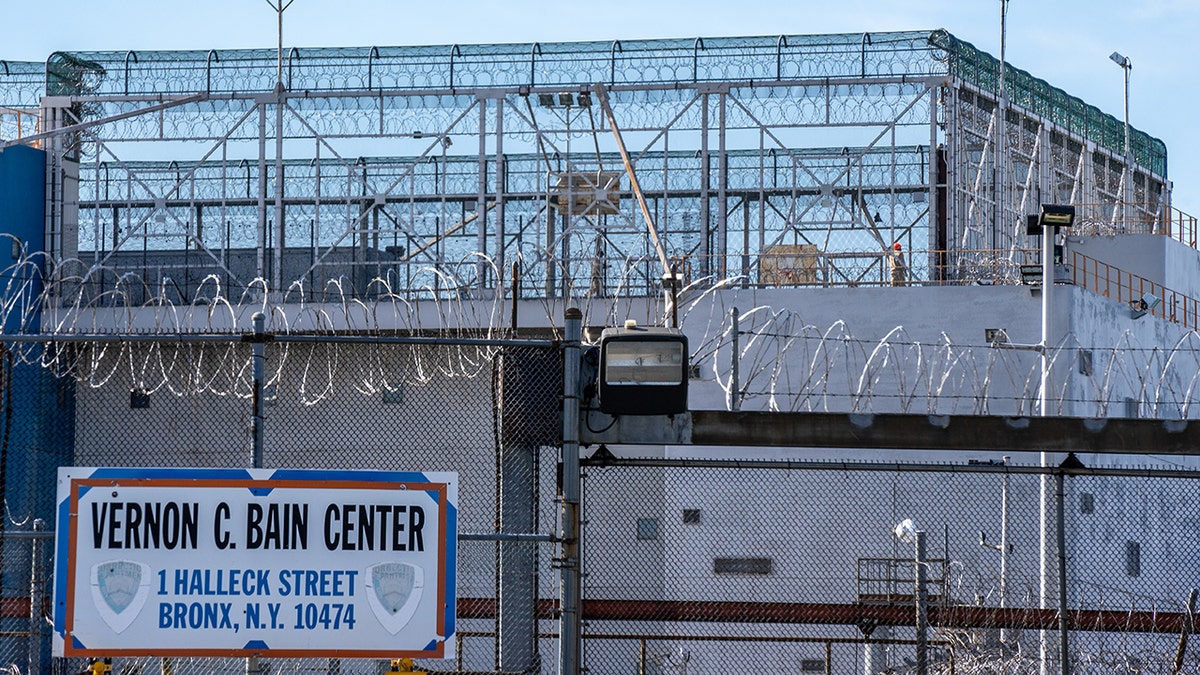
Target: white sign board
234 562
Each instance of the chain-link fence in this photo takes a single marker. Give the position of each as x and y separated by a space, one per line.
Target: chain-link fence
689 566
720 566
488 410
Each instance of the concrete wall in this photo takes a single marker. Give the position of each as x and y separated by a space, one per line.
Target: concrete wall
813 525
1159 259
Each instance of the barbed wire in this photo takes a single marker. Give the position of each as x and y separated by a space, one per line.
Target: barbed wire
785 362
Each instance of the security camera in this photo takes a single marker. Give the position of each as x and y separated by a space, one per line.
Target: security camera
1138 308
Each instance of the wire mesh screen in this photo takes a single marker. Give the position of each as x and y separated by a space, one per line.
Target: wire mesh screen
813 569
489 412
689 566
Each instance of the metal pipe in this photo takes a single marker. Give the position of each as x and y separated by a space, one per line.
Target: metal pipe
887 467
722 247
705 233
1044 457
501 180
567 213
261 248
686 612
280 229
1188 627
1127 68
672 278
866 40
37 587
256 420
1004 543
516 294
779 45
735 402
481 199
1060 516
634 185
163 338
922 606
1128 178
54 129
39 532
504 536
1003 178
570 619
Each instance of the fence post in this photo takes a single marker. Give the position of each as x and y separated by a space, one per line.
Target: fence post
37 587
570 639
253 666
256 402
1064 654
922 607
735 401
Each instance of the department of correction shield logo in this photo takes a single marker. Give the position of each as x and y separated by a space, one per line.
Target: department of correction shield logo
394 593
119 590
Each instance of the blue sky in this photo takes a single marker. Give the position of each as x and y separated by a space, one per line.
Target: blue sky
1066 42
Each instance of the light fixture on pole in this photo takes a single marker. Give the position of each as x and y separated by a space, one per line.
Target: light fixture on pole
1127 178
1126 65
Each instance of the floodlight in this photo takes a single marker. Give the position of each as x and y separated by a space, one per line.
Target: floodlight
1120 60
546 100
1056 215
565 99
643 371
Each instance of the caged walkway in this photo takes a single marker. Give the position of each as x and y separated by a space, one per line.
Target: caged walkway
437 168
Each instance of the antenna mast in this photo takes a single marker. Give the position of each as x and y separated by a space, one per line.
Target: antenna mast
279 6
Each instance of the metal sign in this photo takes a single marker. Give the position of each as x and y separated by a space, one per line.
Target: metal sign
229 562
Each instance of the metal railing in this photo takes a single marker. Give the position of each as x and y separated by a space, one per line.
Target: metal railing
1135 218
1117 284
16 123
806 266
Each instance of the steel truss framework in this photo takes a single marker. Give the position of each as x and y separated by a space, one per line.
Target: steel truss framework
433 170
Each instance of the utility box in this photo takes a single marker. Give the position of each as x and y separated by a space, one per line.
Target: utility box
643 371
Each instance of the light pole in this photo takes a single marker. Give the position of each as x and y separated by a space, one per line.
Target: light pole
1127 179
908 533
1049 220
1002 168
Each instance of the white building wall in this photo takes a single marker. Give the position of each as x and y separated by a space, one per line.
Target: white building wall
1158 259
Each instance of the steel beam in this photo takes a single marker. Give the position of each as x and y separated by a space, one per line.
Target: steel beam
854 614
976 433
